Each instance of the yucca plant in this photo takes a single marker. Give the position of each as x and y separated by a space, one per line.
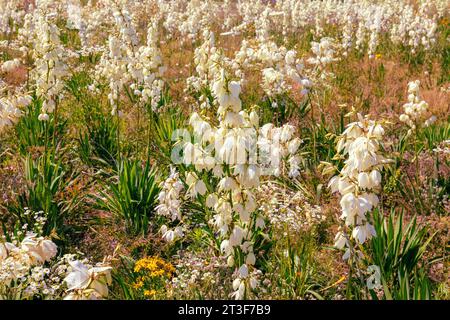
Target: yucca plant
132 195
45 181
124 279
76 85
431 136
98 145
286 109
397 250
424 196
416 288
293 268
34 133
163 126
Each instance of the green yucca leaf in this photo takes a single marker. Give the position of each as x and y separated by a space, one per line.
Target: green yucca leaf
132 195
398 250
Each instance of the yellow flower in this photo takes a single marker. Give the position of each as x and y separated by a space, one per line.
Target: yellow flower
138 284
378 56
155 266
149 293
157 273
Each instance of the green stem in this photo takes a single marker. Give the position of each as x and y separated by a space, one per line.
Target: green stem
55 124
118 133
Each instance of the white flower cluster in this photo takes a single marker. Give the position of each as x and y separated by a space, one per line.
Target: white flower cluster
10 109
169 203
113 64
236 173
49 56
127 63
28 268
233 202
10 16
323 51
199 270
147 70
170 200
363 23
206 58
443 148
86 282
279 143
415 109
359 181
16 259
22 258
279 66
289 212
414 30
90 20
187 19
324 54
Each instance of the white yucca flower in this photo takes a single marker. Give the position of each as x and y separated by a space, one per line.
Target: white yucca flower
415 109
50 67
87 282
359 181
